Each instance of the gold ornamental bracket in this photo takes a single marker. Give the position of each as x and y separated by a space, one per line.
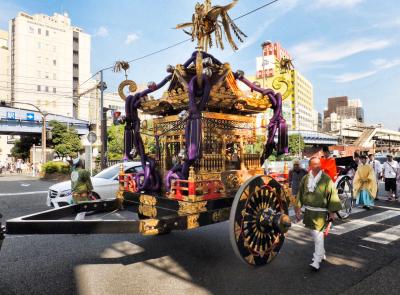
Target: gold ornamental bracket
277 85
124 66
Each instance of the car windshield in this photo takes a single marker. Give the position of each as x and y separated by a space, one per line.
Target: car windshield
108 173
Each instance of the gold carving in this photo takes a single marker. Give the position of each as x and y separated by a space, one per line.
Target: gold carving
221 215
149 211
149 226
193 221
232 181
148 200
191 208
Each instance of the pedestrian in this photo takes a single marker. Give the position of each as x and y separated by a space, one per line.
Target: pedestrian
364 184
18 165
328 164
317 193
295 176
390 168
377 167
81 184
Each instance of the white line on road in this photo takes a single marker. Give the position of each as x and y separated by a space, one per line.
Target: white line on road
25 193
385 237
360 223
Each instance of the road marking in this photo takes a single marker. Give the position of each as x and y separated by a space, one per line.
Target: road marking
360 223
25 184
25 193
385 237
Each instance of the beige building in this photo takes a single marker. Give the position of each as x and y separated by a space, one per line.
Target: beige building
4 67
298 107
48 59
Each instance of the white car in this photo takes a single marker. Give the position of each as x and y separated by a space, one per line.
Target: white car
105 185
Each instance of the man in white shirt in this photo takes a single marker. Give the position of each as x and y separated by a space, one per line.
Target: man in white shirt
390 168
377 167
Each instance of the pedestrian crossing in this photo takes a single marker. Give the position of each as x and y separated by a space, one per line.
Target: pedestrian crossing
363 222
383 234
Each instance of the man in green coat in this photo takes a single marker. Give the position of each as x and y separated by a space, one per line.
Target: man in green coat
317 193
81 185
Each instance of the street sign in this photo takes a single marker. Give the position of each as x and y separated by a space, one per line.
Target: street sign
92 137
30 116
11 115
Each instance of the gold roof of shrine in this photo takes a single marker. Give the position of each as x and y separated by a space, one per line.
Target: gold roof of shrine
225 95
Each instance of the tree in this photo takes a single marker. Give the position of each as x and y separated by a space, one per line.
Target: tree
23 146
65 140
296 143
115 142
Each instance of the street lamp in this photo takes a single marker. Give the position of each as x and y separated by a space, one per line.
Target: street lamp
44 114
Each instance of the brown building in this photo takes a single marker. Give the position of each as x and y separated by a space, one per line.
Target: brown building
334 103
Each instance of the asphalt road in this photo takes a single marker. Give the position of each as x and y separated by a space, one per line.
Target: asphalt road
199 261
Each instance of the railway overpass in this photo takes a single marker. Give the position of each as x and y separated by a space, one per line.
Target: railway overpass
20 121
369 137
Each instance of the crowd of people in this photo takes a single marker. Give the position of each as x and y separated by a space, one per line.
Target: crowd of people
315 191
19 166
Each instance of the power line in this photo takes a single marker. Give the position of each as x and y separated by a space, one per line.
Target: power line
254 10
184 41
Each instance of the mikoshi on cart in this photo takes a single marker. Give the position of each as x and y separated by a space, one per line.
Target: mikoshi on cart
202 172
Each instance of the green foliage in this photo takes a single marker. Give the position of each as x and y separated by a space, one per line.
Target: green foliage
65 140
53 167
257 147
296 143
21 148
115 142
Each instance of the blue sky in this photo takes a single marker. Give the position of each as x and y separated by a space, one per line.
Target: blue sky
345 47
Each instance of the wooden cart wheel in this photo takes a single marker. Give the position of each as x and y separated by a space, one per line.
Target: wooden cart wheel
258 220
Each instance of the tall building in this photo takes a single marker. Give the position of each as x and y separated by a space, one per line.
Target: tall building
343 113
4 67
298 106
48 59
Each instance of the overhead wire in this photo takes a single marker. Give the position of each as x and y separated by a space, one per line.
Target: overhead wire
186 40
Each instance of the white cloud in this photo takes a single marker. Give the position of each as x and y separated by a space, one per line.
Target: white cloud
131 38
313 53
102 32
336 3
393 23
379 64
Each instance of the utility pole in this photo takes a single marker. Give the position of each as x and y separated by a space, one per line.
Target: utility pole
44 114
103 118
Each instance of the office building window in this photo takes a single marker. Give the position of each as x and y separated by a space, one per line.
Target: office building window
38 88
31 30
47 75
39 31
54 62
54 90
54 76
47 88
47 33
